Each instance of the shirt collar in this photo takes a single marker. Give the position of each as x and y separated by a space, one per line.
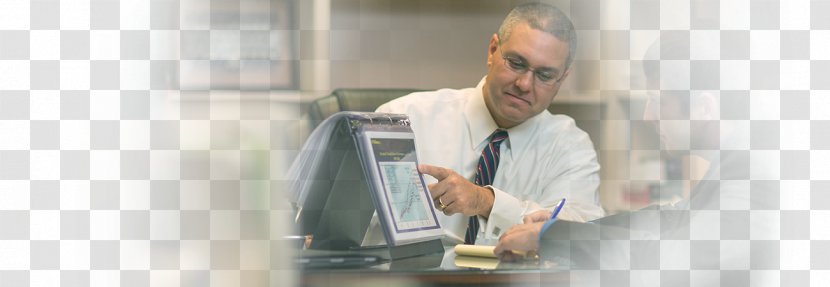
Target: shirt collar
481 124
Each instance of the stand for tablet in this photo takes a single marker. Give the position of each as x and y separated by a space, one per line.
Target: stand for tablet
340 204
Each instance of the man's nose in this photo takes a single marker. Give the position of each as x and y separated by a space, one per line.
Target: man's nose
525 81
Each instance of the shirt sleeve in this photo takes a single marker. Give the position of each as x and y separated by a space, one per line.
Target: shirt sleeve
384 108
507 211
579 181
574 170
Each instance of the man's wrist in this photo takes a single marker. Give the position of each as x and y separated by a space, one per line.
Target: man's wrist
487 199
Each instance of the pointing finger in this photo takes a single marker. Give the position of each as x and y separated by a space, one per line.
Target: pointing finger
438 173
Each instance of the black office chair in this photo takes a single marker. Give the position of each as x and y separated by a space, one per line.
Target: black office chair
360 100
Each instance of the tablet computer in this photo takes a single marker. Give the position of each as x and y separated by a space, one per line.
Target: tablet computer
404 205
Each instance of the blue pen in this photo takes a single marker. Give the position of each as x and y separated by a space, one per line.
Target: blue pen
558 208
552 217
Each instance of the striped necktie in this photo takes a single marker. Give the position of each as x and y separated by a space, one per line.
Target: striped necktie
486 171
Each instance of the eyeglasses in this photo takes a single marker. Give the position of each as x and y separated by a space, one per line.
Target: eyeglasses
519 66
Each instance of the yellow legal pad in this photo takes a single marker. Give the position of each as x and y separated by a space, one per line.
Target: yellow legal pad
475 250
479 251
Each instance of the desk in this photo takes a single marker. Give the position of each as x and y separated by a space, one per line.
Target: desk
440 270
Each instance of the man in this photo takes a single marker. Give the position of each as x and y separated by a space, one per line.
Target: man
710 230
495 151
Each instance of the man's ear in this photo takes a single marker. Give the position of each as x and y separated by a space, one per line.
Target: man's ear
705 106
491 49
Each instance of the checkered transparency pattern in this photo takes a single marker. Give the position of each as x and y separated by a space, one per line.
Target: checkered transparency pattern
755 65
113 175
126 159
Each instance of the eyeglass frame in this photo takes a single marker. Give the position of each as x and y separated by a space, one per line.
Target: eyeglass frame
508 61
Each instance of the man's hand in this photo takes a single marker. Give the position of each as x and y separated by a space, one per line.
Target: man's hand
522 238
538 216
457 193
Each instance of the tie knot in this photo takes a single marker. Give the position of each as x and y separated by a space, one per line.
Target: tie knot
498 136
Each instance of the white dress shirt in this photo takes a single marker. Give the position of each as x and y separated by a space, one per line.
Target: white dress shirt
544 159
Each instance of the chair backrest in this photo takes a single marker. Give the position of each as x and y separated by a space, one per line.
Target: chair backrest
359 100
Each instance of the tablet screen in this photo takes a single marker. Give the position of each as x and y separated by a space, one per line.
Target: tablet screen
405 198
405 193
